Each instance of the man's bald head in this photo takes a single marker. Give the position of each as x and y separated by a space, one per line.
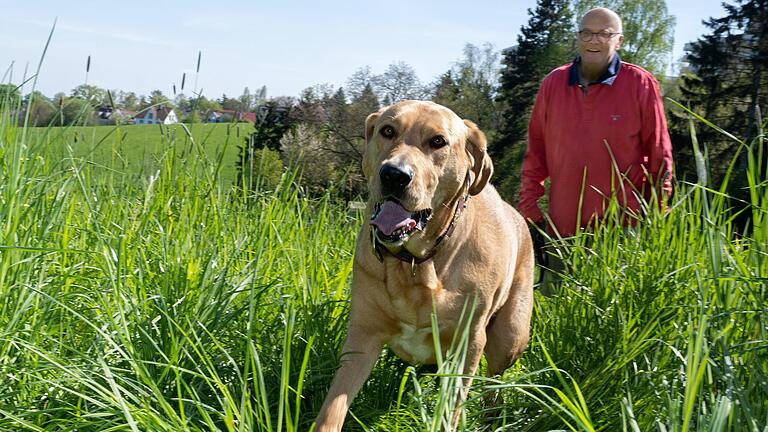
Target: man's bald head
599 38
604 15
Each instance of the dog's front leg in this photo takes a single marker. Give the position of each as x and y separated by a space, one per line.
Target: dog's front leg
357 360
474 353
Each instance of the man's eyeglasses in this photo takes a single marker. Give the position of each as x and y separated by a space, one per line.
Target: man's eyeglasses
602 36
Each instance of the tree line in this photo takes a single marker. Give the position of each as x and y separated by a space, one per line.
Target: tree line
321 131
82 104
723 79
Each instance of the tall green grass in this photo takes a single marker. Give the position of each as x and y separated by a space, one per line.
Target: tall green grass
161 300
662 327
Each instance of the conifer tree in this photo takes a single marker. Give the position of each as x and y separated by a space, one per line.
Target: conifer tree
544 43
273 121
726 82
469 88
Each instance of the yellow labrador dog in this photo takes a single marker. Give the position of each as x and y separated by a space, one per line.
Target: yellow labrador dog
439 237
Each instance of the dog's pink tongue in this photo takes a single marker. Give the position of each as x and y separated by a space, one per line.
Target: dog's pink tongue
391 217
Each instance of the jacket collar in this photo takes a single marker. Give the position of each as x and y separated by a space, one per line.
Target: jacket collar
607 78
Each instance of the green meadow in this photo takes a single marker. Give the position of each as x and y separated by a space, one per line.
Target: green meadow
138 150
140 292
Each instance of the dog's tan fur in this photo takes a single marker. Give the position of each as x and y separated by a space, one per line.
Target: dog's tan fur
488 259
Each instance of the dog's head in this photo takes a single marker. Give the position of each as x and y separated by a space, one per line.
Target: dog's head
419 157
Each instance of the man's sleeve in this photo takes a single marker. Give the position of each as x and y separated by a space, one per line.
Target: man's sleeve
655 138
534 170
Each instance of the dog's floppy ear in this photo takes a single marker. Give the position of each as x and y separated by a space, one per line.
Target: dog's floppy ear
482 167
370 123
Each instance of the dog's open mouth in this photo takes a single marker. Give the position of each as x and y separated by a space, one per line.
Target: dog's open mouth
393 224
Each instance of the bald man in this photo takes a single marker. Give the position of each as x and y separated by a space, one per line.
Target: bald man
597 131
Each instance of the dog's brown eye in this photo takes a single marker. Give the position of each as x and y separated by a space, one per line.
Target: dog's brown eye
387 132
437 142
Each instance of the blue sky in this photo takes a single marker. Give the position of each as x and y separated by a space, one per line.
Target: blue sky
287 46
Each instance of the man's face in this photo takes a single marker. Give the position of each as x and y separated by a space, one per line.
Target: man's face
596 52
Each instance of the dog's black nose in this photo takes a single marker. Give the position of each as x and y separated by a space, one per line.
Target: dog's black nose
394 179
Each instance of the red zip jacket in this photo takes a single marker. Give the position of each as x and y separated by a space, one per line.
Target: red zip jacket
574 138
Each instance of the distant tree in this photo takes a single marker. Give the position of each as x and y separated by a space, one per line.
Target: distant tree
41 110
204 104
310 108
544 43
10 96
158 98
129 101
727 76
469 88
336 106
245 101
192 117
399 82
330 132
327 130
304 149
273 121
228 103
260 96
92 94
77 111
359 81
58 102
727 83
344 129
182 103
446 90
264 171
360 108
143 103
648 30
363 104
117 97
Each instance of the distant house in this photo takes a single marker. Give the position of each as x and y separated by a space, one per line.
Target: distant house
215 117
107 115
249 117
104 112
227 116
155 115
123 115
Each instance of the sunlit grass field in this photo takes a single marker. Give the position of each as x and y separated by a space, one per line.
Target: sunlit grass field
139 292
137 150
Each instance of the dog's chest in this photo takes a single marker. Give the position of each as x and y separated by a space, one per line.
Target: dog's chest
412 301
414 344
411 336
